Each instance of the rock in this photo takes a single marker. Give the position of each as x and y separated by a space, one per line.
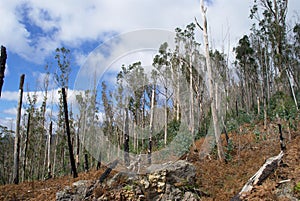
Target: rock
176 171
78 191
169 181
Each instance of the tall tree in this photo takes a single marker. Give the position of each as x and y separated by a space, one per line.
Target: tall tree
17 136
211 86
247 71
162 64
61 78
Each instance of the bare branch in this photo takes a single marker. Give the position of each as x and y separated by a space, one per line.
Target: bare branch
198 24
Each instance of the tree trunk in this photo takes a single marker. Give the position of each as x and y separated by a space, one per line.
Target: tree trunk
126 139
17 135
86 162
72 160
166 117
49 151
211 87
25 148
151 125
192 125
292 89
2 66
260 176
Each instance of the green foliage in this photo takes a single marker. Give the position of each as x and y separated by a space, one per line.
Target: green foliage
283 106
172 130
127 188
257 135
228 150
297 188
234 122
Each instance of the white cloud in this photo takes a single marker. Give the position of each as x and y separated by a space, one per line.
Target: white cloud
10 95
8 122
52 97
73 22
11 111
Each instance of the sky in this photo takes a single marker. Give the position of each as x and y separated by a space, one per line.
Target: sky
31 30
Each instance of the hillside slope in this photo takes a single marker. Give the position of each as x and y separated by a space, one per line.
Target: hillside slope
218 181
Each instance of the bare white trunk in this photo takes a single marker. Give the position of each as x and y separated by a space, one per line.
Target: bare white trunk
192 126
292 89
211 86
49 150
151 124
166 117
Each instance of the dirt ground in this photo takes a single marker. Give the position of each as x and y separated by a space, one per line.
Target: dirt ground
218 181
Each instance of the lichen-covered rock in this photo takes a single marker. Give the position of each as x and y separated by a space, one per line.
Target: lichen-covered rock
78 191
176 171
169 181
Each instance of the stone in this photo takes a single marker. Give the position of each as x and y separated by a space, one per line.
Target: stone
176 171
169 181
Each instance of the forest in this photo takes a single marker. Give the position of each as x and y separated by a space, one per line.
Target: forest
190 94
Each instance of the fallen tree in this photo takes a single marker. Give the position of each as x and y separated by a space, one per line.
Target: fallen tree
260 176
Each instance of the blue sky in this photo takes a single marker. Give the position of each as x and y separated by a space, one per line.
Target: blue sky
31 30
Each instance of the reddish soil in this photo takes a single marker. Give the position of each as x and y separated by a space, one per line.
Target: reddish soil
219 181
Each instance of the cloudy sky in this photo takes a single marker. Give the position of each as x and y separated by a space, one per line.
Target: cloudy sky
32 29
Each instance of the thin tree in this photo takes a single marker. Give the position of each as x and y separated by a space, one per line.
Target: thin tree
17 135
154 75
49 151
26 146
72 160
126 138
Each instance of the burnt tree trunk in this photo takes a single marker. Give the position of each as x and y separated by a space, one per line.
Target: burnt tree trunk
72 160
17 135
86 162
2 66
108 170
282 142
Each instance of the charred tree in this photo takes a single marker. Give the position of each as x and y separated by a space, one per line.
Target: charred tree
17 135
72 160
108 170
86 162
2 66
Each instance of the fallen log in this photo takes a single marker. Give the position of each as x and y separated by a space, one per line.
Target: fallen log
260 176
108 170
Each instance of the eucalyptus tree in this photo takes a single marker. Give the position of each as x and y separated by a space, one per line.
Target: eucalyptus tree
133 79
247 71
271 23
162 64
